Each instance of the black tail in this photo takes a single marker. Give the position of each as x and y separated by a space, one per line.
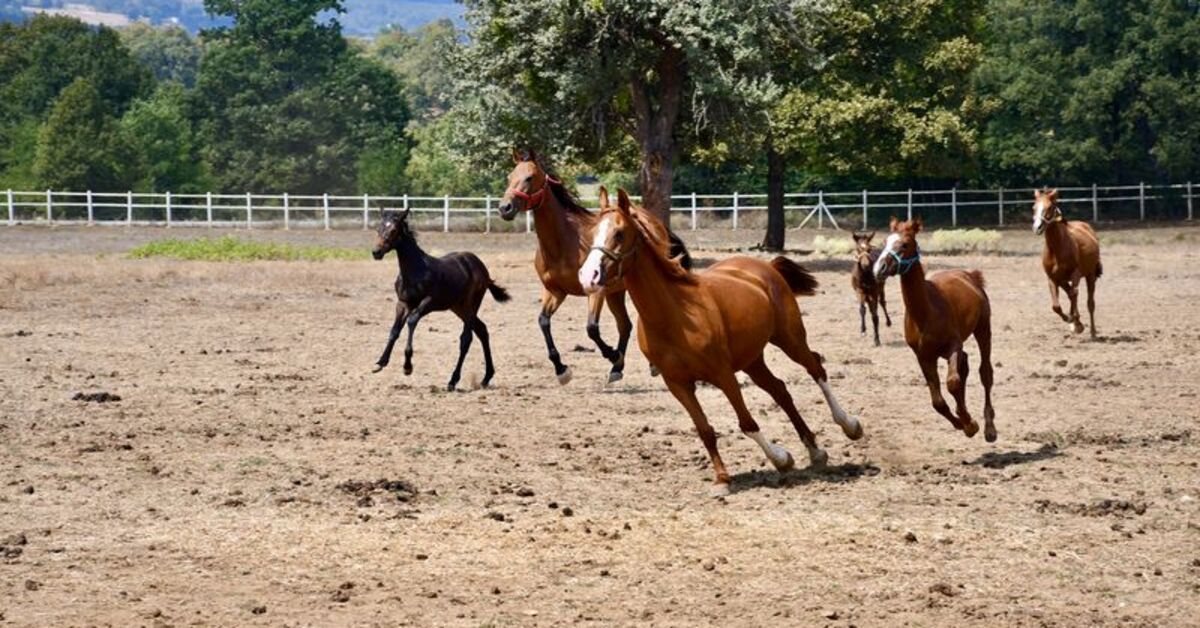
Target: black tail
1099 270
498 293
679 250
798 278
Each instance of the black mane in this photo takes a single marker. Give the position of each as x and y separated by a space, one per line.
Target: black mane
564 196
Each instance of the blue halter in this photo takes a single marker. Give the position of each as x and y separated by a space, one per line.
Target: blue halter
905 264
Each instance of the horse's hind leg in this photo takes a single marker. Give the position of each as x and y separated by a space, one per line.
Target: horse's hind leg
393 336
929 370
776 454
883 304
616 305
1073 293
875 318
489 369
550 303
464 346
957 370
766 380
414 317
862 313
794 345
685 392
1091 302
983 336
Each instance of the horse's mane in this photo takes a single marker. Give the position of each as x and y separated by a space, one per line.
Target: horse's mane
658 242
564 196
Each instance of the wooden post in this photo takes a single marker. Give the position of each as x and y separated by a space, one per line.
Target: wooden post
249 212
487 214
129 208
287 222
735 210
864 210
1095 204
909 204
325 206
91 212
168 210
954 206
12 213
446 214
49 207
366 212
693 211
208 208
1142 200
1001 204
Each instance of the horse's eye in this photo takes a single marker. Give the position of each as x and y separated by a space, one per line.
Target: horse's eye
619 237
529 179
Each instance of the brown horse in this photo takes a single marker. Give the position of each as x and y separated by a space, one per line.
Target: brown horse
869 289
940 314
565 231
706 327
1072 252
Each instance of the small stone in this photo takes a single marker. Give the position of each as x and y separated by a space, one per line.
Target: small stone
525 491
32 585
567 512
830 615
709 565
28 490
259 610
910 536
422 556
497 516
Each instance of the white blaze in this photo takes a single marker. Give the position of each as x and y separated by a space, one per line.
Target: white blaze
589 273
889 245
1039 208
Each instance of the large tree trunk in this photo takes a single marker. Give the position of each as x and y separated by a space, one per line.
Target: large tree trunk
776 229
656 106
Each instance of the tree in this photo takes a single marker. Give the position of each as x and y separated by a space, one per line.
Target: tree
419 58
161 131
571 76
80 146
433 169
169 52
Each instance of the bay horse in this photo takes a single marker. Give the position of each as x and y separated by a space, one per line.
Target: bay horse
455 282
705 327
564 232
940 314
1072 253
869 289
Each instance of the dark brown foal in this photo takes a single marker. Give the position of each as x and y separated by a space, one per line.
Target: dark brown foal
869 288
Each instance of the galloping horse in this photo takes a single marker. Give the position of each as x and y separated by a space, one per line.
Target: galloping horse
869 289
706 327
564 231
1072 252
939 315
455 282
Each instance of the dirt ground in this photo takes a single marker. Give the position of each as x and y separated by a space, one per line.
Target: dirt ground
254 471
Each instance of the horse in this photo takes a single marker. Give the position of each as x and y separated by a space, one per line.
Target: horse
869 289
1072 252
940 314
455 282
705 327
564 231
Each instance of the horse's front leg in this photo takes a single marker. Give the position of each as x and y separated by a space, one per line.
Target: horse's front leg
685 392
862 313
1073 293
550 303
393 336
887 318
929 370
595 304
875 319
616 305
1054 301
956 382
414 317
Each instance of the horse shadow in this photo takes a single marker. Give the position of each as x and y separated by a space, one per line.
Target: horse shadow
830 474
1003 459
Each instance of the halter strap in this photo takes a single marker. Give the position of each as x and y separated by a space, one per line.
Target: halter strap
620 258
905 264
534 201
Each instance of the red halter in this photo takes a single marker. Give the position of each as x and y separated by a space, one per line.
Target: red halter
535 200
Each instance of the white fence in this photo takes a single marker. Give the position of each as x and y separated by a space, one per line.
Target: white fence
955 207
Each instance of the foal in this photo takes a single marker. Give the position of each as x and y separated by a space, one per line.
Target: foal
706 327
455 282
1072 252
939 315
869 289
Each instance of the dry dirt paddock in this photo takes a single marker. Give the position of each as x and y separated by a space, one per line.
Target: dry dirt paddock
254 471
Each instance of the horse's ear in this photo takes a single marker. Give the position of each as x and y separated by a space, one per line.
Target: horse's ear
1037 194
404 214
894 223
917 223
531 155
1053 195
516 156
603 197
623 203
870 236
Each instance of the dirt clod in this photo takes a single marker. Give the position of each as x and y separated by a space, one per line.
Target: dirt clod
96 397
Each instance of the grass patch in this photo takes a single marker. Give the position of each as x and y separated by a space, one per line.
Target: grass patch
830 247
231 249
964 240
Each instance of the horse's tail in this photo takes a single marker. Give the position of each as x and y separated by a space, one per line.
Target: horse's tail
678 250
498 293
798 278
1099 269
977 279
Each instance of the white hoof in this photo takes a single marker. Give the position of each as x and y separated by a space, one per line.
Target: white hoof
720 489
784 461
817 458
852 428
565 378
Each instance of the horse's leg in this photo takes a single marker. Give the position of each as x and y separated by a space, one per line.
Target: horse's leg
414 317
778 456
797 349
883 304
489 369
957 370
393 336
1091 302
550 303
983 337
875 317
862 313
464 346
1073 293
929 370
616 305
1054 301
766 380
685 392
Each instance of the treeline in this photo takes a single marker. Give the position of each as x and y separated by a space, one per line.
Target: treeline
656 95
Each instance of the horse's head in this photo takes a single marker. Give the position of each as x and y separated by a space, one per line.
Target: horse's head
1045 210
616 239
393 229
900 251
528 186
862 249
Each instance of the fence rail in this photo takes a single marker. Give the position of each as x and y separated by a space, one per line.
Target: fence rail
862 208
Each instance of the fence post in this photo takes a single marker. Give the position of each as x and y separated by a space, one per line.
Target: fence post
287 218
91 212
735 210
1142 200
693 211
954 206
864 210
1189 189
446 214
325 206
208 208
249 212
12 214
129 208
366 212
487 213
820 209
168 210
1001 204
909 204
1095 204
49 207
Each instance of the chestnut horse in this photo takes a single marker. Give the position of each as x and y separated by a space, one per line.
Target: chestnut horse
706 327
940 314
869 289
1072 252
564 232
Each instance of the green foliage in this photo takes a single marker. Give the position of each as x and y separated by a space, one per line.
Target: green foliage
434 168
162 134
81 147
169 52
419 58
231 249
964 240
18 149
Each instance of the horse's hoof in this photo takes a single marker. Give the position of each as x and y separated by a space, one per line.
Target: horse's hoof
989 433
378 367
408 369
720 489
970 429
615 376
853 429
654 371
817 458
877 343
450 387
1079 328
565 377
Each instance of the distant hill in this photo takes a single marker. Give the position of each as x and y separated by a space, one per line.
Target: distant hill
363 18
